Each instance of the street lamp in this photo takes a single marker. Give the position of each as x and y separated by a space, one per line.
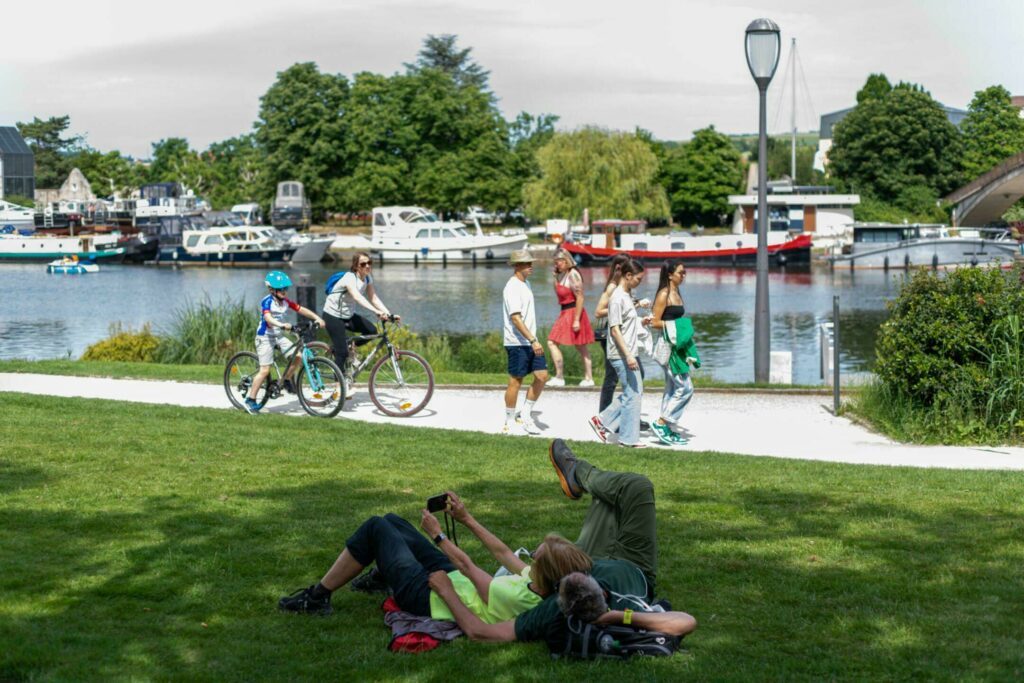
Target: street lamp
762 46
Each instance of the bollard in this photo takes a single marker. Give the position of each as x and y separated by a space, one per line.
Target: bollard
444 259
305 292
415 260
474 259
835 354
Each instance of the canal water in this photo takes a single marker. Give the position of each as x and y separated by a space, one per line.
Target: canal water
58 316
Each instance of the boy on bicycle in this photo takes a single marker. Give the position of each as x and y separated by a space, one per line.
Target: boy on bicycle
272 310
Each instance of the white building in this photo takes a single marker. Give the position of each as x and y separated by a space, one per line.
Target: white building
812 209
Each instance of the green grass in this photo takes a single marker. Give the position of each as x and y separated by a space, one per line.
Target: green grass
212 374
152 542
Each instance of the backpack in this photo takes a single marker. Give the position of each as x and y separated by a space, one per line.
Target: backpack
333 280
593 641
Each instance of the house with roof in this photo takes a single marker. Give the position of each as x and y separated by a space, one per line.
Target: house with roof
17 165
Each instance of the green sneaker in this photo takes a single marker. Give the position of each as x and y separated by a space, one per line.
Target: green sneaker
664 433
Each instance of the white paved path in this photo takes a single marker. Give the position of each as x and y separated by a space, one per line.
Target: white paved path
760 424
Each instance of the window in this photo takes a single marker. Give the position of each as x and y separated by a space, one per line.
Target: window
678 246
192 241
213 239
379 220
435 233
640 245
423 234
446 233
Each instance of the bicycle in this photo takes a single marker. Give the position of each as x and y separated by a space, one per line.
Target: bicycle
318 382
401 382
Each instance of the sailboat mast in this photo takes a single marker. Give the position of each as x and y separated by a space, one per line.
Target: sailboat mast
792 113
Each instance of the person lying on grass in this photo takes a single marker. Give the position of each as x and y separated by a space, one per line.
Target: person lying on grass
619 532
405 559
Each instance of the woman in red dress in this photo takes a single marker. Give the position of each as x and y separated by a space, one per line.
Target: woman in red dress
572 327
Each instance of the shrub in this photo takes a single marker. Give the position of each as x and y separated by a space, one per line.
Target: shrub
951 350
207 333
124 346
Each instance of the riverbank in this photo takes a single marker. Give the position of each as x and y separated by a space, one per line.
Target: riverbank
152 542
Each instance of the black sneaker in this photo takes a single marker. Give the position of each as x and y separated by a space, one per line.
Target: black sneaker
564 461
302 600
288 386
370 582
645 426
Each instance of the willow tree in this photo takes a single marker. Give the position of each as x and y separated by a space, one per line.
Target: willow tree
610 173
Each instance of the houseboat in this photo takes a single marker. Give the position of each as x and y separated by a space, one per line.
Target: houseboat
413 234
889 245
112 247
609 237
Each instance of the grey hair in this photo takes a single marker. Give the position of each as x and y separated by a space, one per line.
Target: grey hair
581 596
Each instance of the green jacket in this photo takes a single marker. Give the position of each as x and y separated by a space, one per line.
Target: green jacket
683 348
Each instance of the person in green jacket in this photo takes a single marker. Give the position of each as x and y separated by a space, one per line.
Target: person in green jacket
669 313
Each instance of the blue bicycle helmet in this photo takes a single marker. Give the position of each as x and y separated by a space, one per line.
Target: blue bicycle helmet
277 279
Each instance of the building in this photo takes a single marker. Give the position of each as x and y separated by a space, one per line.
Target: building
17 165
811 209
76 189
828 122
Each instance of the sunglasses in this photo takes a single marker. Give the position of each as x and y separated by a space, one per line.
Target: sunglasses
364 263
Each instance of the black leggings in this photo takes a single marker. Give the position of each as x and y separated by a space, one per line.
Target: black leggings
337 328
404 557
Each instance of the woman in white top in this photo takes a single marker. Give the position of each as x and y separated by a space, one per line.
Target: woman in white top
354 288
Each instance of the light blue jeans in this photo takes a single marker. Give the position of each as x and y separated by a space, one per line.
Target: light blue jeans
622 417
678 392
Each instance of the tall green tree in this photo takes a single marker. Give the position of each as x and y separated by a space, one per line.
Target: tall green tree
992 131
169 159
108 173
611 173
875 88
50 147
887 147
442 52
302 132
701 175
235 172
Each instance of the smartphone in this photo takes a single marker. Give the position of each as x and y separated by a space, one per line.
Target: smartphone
437 503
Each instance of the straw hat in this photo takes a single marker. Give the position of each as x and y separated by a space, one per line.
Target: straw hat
520 256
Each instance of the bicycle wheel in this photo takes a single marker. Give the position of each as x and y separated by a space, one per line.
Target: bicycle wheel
401 384
321 390
238 376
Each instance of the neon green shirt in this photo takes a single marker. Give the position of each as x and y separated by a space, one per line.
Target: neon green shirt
508 597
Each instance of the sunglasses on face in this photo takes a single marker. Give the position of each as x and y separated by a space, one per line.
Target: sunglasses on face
363 264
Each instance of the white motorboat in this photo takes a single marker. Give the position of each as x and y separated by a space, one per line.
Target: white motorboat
71 266
226 246
413 234
16 216
893 245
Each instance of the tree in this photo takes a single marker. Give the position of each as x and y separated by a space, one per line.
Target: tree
235 172
611 173
109 173
50 149
875 88
992 131
701 175
170 156
441 53
780 160
302 132
885 146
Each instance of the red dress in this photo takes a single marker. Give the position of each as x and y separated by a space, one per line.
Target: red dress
561 331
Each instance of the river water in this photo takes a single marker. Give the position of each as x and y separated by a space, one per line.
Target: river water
58 316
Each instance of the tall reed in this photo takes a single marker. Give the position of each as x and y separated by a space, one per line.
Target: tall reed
208 333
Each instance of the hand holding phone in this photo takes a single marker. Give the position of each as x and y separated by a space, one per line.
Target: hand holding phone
437 503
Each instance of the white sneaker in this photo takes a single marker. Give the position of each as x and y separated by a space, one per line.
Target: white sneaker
556 382
506 429
350 390
587 383
529 426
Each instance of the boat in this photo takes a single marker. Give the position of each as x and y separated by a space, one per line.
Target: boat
71 266
16 217
894 245
307 248
611 237
114 247
291 207
226 246
413 234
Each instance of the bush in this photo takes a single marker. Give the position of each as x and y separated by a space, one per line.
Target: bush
208 334
124 346
952 350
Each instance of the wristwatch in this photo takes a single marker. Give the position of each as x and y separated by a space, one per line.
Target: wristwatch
440 537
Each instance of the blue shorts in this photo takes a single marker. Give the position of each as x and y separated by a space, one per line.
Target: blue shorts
522 361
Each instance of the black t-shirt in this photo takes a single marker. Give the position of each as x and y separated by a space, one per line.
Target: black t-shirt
622 580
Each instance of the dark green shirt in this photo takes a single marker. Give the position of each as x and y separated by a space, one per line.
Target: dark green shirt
621 579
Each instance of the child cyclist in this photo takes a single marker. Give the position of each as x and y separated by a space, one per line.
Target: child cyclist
272 310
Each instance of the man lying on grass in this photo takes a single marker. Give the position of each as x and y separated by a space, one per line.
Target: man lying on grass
445 584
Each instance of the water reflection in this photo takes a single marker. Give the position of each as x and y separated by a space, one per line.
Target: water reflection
55 315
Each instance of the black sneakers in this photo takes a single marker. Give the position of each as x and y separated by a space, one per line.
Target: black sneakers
302 600
564 461
370 582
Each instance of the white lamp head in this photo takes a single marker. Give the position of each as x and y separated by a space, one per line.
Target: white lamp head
763 48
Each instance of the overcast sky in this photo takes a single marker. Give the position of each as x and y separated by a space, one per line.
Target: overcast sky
131 73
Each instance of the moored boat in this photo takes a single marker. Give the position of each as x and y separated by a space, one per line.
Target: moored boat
413 234
112 247
227 246
627 237
71 266
888 245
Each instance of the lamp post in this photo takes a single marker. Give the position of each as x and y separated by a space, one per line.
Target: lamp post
762 47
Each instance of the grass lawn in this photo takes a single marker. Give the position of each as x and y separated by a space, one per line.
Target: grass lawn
150 542
213 374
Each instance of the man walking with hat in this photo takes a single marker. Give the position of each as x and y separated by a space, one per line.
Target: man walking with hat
525 354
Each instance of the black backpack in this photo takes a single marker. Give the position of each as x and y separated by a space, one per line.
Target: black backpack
593 641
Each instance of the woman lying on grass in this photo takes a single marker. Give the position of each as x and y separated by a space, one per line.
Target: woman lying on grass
405 559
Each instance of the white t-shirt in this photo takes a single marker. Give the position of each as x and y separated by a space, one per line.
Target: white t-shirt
339 302
621 312
518 298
